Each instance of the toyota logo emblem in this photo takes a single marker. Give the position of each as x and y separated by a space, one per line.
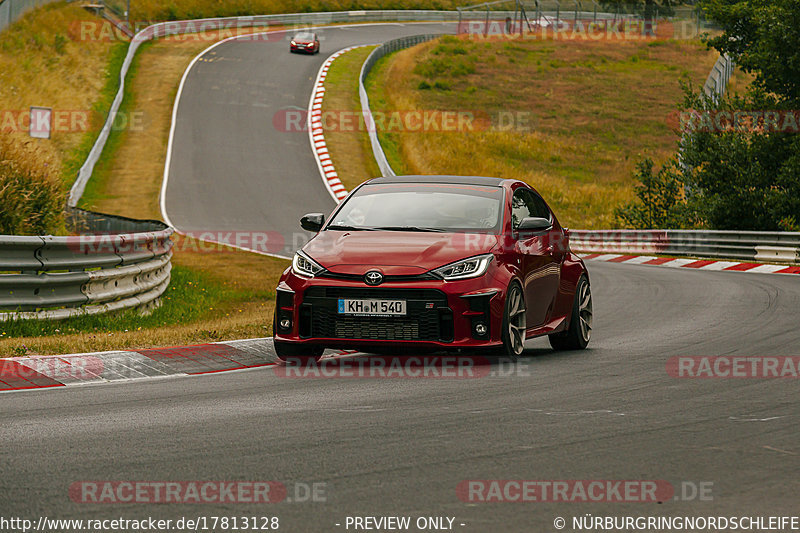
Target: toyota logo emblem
373 277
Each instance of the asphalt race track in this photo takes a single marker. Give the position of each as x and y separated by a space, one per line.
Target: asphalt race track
387 446
402 446
231 168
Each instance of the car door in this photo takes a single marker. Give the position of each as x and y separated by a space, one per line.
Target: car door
539 260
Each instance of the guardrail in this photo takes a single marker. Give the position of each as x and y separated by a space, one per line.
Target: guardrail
114 263
745 245
782 247
717 82
379 52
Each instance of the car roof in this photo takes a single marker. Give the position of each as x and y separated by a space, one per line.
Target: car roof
461 180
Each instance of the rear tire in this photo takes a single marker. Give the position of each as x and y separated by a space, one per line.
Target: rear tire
298 353
577 335
514 323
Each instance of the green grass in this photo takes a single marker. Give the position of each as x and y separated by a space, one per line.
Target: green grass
191 294
593 109
77 156
390 142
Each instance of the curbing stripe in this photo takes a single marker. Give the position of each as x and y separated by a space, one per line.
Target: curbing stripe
316 133
24 373
695 264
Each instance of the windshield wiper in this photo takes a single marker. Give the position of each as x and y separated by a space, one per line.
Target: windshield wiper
410 228
345 227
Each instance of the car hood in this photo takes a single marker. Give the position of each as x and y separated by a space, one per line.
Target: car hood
394 253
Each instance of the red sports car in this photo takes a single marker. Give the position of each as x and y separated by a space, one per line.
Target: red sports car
442 262
305 42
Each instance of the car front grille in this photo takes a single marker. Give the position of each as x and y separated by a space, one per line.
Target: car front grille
428 318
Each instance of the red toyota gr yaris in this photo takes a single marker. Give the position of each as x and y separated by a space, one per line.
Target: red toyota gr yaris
442 262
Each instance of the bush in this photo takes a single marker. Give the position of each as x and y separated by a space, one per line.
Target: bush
30 195
662 202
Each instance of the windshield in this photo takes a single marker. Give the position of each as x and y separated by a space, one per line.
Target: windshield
304 37
421 206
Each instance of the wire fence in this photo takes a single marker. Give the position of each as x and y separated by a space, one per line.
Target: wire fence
717 82
11 10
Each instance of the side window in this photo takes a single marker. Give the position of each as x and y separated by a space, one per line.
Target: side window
525 203
519 208
538 207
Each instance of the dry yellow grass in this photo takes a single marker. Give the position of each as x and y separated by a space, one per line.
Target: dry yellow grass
43 62
160 10
595 109
129 185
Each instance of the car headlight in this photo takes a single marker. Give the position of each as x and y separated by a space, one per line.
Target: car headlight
294 43
466 268
304 266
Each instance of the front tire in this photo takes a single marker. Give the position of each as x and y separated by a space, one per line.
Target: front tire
297 353
514 322
577 335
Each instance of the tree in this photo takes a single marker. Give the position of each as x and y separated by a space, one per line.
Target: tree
662 203
744 177
763 38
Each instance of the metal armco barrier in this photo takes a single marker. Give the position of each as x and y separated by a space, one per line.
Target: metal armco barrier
114 263
781 247
381 51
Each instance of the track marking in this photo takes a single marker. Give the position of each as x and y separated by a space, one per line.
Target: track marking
176 105
694 264
316 134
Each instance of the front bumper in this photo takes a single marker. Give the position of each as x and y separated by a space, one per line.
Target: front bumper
309 48
439 315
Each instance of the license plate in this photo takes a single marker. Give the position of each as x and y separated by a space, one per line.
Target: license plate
372 307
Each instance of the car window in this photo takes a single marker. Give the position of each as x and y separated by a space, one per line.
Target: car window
526 203
447 207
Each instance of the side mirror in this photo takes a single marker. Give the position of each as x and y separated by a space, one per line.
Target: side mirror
534 224
312 222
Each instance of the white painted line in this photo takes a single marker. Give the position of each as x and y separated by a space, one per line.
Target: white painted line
719 265
326 168
677 263
606 257
638 260
767 269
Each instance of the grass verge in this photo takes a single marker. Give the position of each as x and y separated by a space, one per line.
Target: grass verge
160 10
345 130
214 295
581 113
43 62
